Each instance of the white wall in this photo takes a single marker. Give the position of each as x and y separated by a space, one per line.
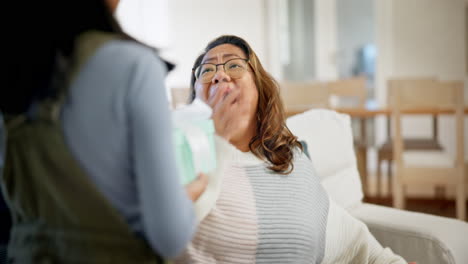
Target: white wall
319 25
277 40
428 38
193 24
325 37
355 23
146 20
298 49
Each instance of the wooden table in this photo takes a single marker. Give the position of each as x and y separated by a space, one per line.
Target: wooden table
363 114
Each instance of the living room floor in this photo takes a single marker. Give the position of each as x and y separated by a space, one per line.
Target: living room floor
438 205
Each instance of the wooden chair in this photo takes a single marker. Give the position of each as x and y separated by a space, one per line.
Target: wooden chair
179 96
424 167
297 95
352 89
385 151
352 92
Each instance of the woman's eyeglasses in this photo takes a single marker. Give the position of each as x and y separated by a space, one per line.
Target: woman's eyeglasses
235 68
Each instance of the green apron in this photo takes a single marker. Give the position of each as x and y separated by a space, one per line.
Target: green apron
58 214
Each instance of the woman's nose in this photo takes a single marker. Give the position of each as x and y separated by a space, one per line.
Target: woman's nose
221 75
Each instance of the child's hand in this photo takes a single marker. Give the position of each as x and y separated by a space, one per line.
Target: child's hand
196 187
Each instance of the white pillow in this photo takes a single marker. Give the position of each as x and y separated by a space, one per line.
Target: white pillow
329 140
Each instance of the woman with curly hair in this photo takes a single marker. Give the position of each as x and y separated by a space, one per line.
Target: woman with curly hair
271 207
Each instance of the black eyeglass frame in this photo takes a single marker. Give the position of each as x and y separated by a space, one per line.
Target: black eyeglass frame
216 66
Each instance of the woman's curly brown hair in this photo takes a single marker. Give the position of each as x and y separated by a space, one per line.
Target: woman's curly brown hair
273 141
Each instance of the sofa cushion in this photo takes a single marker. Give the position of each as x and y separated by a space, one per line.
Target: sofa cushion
329 139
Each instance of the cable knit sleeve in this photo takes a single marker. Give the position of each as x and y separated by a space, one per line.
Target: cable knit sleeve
349 241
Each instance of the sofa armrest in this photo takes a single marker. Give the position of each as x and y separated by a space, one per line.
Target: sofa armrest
416 237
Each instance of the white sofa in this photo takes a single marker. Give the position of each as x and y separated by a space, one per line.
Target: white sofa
418 237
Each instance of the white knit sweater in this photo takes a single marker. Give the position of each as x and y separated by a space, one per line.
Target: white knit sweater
264 217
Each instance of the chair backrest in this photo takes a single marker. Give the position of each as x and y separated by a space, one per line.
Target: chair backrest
427 95
411 81
304 94
179 97
351 90
424 94
329 140
408 81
